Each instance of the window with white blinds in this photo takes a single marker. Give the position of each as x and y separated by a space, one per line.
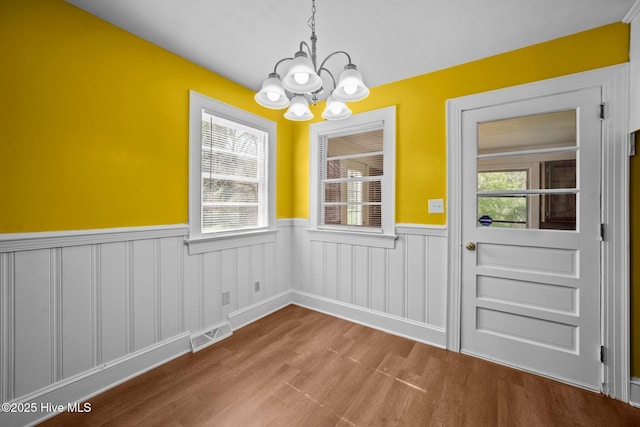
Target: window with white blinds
352 170
352 179
233 175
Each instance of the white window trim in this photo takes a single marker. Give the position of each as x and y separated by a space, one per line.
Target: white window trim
344 234
197 241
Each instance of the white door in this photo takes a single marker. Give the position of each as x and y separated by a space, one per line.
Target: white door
531 235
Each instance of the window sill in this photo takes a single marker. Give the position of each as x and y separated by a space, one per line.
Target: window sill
205 244
387 241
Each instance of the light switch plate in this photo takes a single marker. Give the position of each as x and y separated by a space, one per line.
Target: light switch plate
436 206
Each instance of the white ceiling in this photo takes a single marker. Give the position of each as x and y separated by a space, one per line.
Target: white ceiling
388 40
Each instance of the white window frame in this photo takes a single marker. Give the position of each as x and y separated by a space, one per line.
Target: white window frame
198 241
384 237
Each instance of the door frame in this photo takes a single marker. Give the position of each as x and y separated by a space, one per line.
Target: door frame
614 84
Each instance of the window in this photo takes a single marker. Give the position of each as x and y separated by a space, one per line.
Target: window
527 172
231 185
233 175
505 212
352 179
351 174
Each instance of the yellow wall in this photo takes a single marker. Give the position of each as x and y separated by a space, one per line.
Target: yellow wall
421 122
94 123
94 120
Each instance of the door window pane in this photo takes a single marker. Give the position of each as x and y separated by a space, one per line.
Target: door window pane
535 132
527 172
502 180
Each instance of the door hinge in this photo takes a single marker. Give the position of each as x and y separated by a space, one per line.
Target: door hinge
601 231
632 144
602 354
602 111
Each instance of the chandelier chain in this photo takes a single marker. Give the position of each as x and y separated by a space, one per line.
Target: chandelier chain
312 21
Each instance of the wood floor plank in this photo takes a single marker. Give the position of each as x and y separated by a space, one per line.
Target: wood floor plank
298 367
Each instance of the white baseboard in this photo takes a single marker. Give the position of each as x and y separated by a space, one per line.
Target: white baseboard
385 322
250 314
93 382
634 392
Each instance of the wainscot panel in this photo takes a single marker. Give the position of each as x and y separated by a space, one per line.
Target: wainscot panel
401 289
82 311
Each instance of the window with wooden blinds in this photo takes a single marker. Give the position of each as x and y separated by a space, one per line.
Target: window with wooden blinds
352 179
352 170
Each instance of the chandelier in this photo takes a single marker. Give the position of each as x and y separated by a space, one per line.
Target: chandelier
303 83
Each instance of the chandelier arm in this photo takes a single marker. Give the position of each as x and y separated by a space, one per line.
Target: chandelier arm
304 43
330 75
335 53
275 68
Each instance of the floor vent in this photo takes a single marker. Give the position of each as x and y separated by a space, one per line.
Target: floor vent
205 339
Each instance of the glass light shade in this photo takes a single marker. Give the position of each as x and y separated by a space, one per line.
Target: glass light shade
272 94
301 77
299 109
350 85
335 110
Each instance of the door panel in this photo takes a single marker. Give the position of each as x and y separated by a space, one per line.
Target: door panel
531 207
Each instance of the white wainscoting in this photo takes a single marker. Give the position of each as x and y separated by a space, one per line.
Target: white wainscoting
402 290
83 311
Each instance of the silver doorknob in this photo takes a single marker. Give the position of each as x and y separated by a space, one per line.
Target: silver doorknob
470 246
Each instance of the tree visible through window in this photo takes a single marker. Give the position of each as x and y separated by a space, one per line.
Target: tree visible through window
504 211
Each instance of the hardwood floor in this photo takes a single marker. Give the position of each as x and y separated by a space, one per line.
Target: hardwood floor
298 367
